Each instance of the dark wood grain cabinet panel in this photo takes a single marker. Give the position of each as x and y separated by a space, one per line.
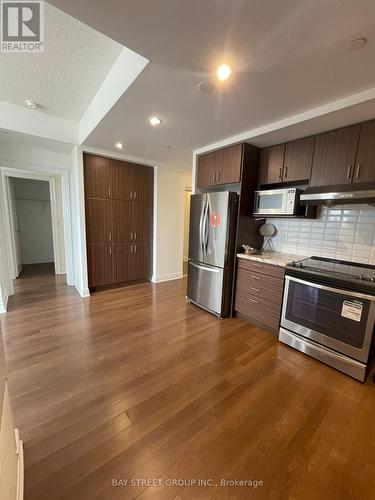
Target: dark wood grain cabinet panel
99 265
298 160
118 221
334 157
259 293
141 259
122 220
122 262
122 180
97 176
228 162
142 221
364 170
99 220
271 164
220 167
205 175
143 183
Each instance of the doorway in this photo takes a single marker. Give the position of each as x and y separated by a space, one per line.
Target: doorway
32 225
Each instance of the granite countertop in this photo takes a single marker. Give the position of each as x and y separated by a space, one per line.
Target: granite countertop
275 258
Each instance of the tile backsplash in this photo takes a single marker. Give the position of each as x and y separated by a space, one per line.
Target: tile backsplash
345 232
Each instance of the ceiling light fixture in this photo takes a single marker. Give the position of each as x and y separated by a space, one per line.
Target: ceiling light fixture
154 121
223 72
119 145
357 43
31 104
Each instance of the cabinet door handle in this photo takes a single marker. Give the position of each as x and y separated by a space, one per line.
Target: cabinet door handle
256 277
110 236
281 173
131 195
109 192
130 236
135 195
285 172
357 173
110 250
135 248
135 236
131 248
349 173
255 301
254 289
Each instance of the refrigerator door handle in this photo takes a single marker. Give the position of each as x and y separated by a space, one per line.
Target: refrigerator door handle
201 227
206 268
206 228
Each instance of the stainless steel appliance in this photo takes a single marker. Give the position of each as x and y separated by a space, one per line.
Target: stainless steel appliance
276 202
329 312
339 195
213 219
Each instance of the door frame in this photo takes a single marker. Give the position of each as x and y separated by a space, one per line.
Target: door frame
49 175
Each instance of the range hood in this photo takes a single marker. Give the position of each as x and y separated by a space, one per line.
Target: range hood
346 194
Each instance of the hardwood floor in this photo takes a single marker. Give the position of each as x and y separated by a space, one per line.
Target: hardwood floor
135 383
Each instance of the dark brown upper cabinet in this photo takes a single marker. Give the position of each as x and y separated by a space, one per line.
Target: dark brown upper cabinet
334 157
143 183
298 160
364 170
271 164
121 180
220 167
97 176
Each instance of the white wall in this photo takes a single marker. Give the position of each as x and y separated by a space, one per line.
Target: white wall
344 232
77 208
170 216
34 220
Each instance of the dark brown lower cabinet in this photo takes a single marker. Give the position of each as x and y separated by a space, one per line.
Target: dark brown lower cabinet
99 264
259 293
118 263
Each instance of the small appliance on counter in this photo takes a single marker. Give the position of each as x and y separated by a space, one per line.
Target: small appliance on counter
248 250
328 312
213 224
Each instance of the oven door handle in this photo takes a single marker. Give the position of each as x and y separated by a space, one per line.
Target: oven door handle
330 288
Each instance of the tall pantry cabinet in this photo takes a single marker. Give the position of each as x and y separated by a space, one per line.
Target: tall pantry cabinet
119 213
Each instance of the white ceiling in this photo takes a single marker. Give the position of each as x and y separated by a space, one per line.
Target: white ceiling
288 56
65 78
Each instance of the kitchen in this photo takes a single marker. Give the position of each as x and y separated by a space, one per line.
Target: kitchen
284 238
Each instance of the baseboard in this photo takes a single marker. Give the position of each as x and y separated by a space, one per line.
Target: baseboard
42 260
167 277
20 468
84 292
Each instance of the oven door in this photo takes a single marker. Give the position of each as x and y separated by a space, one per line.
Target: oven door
338 319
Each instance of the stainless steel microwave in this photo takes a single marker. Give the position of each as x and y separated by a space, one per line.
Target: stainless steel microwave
276 202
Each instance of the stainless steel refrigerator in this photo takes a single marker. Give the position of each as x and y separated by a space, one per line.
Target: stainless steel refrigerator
213 220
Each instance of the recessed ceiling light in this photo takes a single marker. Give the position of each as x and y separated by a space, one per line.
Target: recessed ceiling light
119 145
206 86
154 120
31 104
357 43
223 72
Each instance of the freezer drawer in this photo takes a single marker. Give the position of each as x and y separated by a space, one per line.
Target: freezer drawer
205 286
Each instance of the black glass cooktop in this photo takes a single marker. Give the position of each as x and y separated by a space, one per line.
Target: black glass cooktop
340 268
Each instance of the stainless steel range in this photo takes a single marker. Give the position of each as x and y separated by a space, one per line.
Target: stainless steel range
329 312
